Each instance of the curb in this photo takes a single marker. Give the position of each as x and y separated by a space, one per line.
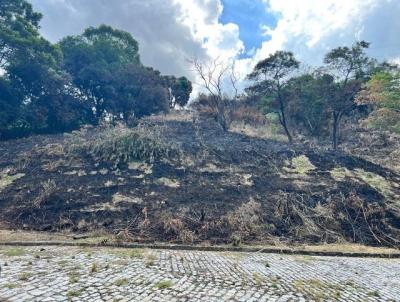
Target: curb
284 251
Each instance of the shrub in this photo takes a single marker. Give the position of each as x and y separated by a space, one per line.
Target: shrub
118 145
383 119
249 115
49 187
246 221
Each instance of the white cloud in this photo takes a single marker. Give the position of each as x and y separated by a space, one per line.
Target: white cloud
202 17
310 28
170 32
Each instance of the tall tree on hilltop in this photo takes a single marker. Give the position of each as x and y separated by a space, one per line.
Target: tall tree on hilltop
271 76
93 59
40 89
350 67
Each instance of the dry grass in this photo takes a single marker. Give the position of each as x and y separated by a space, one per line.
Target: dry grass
263 132
174 115
299 165
375 181
141 166
171 183
331 248
249 115
13 252
317 290
246 220
6 179
9 236
49 187
118 198
348 248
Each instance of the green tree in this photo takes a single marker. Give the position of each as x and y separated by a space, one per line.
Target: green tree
382 93
271 76
18 29
137 91
33 84
10 105
105 66
308 107
350 67
93 59
179 90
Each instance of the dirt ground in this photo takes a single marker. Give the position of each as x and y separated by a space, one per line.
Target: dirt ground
221 188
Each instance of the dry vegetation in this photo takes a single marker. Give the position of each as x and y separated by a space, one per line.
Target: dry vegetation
180 178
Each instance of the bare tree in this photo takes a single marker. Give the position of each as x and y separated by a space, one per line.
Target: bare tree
214 75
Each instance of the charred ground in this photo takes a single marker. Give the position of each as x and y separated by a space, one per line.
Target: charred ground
193 182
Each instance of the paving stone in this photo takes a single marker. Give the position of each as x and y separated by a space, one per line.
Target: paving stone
193 276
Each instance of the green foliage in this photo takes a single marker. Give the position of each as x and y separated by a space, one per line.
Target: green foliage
350 66
34 91
18 28
122 145
94 58
137 91
382 93
10 104
308 108
164 284
349 63
105 66
271 79
180 90
83 79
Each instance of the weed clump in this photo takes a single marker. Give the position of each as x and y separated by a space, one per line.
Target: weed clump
6 180
300 165
14 252
164 284
121 145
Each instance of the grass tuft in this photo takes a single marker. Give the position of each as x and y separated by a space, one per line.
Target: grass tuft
300 165
164 284
14 252
121 282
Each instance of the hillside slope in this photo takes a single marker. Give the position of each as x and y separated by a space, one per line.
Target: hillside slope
192 182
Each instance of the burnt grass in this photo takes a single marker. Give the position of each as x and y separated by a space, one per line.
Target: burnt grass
222 188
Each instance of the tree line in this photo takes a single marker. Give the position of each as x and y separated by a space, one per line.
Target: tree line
98 75
350 86
83 79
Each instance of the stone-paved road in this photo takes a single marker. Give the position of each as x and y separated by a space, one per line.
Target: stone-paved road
82 274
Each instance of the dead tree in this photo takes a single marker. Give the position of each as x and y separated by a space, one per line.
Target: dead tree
214 76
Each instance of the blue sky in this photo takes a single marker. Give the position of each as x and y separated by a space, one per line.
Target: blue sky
249 15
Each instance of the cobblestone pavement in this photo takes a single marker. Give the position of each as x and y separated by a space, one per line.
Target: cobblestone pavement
83 274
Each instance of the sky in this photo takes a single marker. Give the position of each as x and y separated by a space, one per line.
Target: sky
171 32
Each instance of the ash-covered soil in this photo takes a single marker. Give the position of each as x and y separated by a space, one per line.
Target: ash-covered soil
221 187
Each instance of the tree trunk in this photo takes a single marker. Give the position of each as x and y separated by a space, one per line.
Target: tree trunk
221 115
282 118
336 130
